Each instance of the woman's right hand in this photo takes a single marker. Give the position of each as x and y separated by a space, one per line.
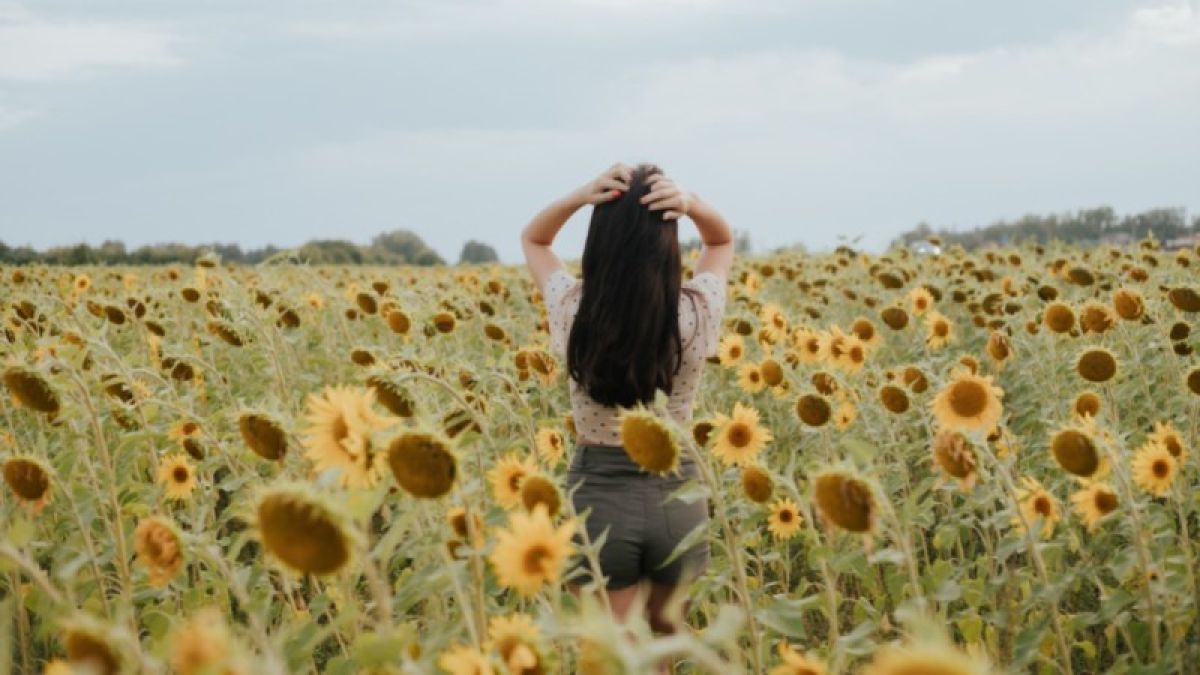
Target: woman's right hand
607 186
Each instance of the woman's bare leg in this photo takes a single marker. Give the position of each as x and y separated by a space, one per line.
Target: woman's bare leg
663 617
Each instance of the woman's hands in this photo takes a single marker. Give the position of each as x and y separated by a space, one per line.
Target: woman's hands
607 186
665 194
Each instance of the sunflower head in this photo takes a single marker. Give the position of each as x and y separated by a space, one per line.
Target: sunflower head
894 399
756 483
423 464
538 489
1075 450
263 434
91 647
31 390
954 456
531 551
159 547
784 519
968 402
303 531
1096 364
740 437
177 476
29 479
845 501
650 443
813 409
1154 468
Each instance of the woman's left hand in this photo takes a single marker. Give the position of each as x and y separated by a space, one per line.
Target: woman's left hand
665 194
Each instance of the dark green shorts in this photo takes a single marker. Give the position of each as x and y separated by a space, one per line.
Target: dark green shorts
643 527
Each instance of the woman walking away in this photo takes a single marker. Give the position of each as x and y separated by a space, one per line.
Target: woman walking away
630 326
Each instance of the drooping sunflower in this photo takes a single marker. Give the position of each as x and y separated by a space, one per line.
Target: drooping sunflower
939 330
1154 468
1169 437
263 434
1096 317
1036 502
159 547
893 399
731 350
465 660
740 439
999 348
302 530
1191 380
530 552
29 479
90 647
423 464
784 520
515 638
813 409
954 456
968 403
648 441
792 662
550 445
756 483
340 424
1074 448
1128 304
1096 364
506 476
750 379
31 390
845 501
177 477
456 517
204 645
538 489
1093 502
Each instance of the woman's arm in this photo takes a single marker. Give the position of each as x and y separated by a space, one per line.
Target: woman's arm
539 234
717 254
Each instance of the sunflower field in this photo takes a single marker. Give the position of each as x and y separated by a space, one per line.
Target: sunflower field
967 462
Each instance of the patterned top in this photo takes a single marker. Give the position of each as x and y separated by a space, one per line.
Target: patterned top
699 329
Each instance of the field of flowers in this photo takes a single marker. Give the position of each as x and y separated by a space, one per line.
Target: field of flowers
968 462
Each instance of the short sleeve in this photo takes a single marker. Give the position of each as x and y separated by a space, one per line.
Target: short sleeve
558 284
712 309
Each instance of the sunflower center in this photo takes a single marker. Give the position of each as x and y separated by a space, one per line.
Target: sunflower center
856 355
739 434
535 559
968 398
341 430
180 474
785 516
941 329
1173 446
1042 507
514 481
735 352
1160 469
1105 502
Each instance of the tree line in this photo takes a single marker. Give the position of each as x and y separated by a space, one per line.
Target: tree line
398 247
1086 226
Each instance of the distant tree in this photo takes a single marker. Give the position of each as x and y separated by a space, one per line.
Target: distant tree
331 252
477 252
403 246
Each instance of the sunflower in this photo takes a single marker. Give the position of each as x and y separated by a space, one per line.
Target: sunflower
924 659
954 456
1154 468
340 422
864 330
731 350
515 638
968 403
90 648
893 399
457 519
792 662
1074 448
1191 380
774 323
939 331
204 645
785 520
531 551
813 409
648 441
1169 437
178 477
845 501
183 430
1036 502
750 379
920 299
31 390
1128 304
1093 502
263 434
741 437
756 483
465 660
550 446
422 463
811 346
538 489
159 547
1087 404
29 479
1096 364
303 531
999 348
506 478
1095 317
1058 317
894 317
845 415
852 354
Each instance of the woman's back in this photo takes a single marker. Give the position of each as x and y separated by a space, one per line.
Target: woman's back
701 308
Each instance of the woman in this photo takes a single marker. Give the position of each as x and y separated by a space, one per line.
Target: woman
629 327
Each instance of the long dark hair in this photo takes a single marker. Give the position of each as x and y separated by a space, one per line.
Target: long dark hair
625 340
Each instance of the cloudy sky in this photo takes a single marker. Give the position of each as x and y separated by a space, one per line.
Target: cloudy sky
803 120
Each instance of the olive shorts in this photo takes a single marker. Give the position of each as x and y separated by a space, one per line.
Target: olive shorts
643 526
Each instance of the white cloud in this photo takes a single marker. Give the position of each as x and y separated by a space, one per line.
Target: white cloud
36 49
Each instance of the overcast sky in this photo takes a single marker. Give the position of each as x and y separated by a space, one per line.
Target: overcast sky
803 120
